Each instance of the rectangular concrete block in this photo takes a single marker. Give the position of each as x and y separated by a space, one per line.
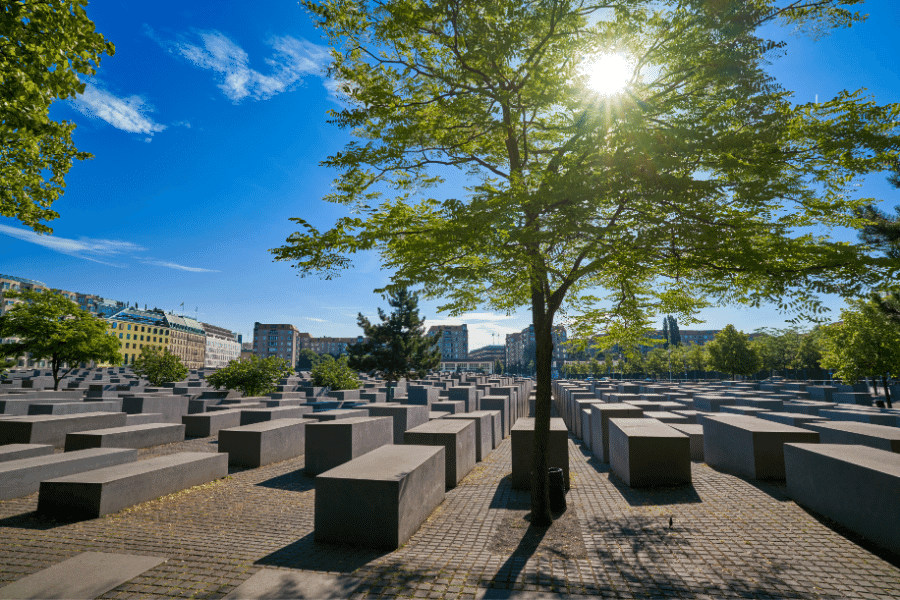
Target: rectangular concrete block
172 407
17 451
404 416
52 429
72 408
129 436
422 395
750 447
381 498
458 439
646 452
499 403
332 443
881 437
467 394
857 486
104 491
337 414
523 451
449 406
484 434
209 423
264 443
258 415
695 433
600 416
23 476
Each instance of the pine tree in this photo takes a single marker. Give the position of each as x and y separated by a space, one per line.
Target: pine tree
397 347
665 332
674 333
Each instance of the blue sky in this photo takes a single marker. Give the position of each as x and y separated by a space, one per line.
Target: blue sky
207 127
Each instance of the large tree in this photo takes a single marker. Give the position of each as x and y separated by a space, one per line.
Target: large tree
253 377
397 347
44 46
685 187
731 352
47 325
863 344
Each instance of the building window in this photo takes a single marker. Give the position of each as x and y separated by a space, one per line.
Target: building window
114 325
120 336
127 344
127 336
129 327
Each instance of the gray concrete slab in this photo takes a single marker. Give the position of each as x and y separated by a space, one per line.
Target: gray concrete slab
129 436
276 585
23 476
17 451
484 435
332 443
52 429
99 492
404 416
381 498
84 576
646 452
264 443
458 439
600 416
523 451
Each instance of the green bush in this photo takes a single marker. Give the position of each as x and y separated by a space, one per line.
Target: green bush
254 377
335 374
159 368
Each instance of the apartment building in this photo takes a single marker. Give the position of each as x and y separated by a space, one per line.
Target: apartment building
139 329
520 346
281 340
454 341
329 345
187 340
222 346
492 353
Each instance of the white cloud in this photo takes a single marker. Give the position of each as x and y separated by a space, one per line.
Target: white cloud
127 114
316 320
171 265
90 249
293 59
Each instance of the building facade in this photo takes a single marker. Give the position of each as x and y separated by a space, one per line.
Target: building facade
139 329
280 340
454 341
491 353
468 366
520 347
187 340
222 346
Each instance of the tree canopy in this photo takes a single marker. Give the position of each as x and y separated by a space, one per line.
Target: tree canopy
44 46
397 347
48 325
686 188
335 374
864 344
254 377
159 367
731 352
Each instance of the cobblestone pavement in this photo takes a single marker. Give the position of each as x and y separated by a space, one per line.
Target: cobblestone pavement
730 538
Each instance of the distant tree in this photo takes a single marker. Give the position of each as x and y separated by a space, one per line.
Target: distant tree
863 344
778 349
50 326
696 357
335 374
397 347
159 367
678 358
809 355
596 369
608 362
498 366
307 359
665 332
674 332
254 377
730 352
657 362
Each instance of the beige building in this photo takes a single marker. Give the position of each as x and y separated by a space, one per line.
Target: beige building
281 340
454 341
187 340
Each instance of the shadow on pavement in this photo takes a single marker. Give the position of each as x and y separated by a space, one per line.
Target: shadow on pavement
310 555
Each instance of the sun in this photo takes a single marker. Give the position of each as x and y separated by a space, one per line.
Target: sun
609 74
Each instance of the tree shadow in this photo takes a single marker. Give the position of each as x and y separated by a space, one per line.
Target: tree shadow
295 481
774 488
655 495
310 555
867 545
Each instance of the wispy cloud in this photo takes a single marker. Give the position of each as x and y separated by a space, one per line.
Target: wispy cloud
316 320
128 114
171 265
93 249
291 61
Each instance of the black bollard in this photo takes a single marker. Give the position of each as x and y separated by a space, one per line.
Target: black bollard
557 490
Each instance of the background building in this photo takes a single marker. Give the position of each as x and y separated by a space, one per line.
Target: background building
496 352
520 349
187 339
281 340
328 345
222 346
139 329
454 341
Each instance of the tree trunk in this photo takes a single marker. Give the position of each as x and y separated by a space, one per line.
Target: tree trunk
540 479
887 391
54 364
